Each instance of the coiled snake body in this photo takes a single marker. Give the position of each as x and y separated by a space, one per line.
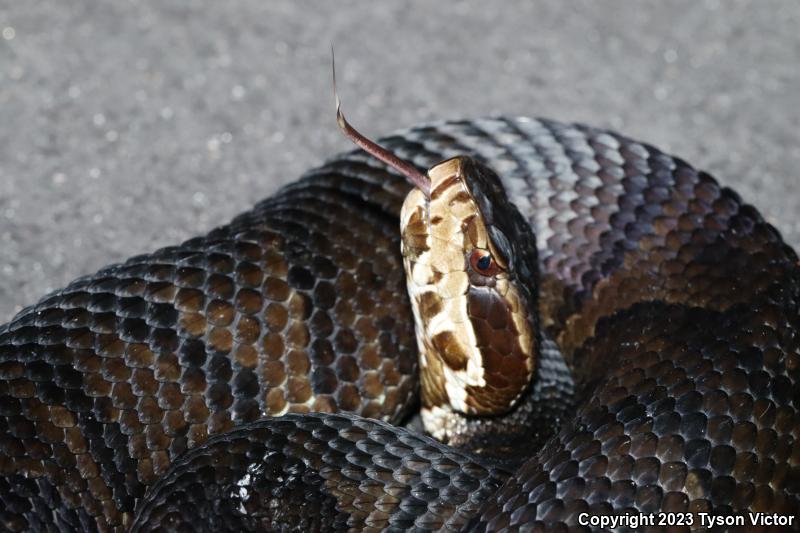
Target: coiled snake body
143 396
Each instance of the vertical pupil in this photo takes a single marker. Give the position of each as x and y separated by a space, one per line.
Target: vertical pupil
484 262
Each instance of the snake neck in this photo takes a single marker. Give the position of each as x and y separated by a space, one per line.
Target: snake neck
507 437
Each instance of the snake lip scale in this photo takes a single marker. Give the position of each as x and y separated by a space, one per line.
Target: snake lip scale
258 377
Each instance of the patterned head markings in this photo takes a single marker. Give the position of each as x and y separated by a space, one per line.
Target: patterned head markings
470 262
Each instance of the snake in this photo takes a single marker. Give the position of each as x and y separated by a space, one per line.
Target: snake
570 324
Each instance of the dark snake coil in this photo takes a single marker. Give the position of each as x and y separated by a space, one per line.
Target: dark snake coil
135 397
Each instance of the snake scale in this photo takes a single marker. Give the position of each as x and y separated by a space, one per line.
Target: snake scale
142 397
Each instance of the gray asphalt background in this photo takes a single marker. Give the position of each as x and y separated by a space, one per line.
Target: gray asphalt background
128 125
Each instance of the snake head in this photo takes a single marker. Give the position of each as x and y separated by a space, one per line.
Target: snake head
470 261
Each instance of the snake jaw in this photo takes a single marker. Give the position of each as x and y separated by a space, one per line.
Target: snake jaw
476 329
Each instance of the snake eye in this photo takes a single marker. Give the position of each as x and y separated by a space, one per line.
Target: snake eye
482 262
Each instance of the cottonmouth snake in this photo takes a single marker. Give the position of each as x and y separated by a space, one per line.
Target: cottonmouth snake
674 304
